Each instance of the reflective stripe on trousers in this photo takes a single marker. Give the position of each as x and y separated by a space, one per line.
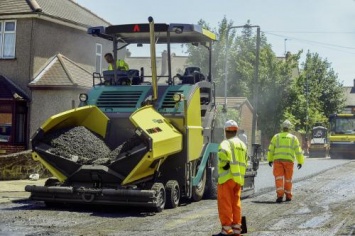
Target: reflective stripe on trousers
283 172
227 230
237 229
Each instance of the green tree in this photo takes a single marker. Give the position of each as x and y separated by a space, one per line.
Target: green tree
316 93
198 56
273 73
274 90
281 95
274 80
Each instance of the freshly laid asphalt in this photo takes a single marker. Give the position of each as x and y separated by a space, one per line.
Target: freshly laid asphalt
14 190
265 181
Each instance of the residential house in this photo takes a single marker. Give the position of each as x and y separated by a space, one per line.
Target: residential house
245 110
349 95
46 60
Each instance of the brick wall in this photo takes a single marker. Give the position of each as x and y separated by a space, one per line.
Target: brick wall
9 149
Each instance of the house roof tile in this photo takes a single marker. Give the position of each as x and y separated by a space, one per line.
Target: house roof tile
60 71
14 7
233 102
66 10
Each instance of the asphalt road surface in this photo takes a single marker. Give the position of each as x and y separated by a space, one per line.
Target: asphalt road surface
322 205
312 166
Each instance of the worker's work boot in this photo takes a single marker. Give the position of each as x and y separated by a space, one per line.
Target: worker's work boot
279 199
288 199
237 228
222 234
225 232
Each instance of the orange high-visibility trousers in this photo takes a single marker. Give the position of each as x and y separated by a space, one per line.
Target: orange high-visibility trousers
283 172
229 204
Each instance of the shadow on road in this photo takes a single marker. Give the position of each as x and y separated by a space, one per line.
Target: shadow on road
95 210
265 202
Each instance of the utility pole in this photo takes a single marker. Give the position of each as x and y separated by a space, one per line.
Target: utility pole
256 85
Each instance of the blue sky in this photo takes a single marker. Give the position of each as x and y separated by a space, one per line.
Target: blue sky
326 27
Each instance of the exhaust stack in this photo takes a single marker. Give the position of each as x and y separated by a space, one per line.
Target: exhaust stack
153 59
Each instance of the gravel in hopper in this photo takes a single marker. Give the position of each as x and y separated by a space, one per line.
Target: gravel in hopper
85 147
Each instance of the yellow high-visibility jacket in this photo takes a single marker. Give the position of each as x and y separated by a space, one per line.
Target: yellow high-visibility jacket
285 147
120 65
234 152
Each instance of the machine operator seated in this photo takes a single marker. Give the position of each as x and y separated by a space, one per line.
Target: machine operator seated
122 69
120 63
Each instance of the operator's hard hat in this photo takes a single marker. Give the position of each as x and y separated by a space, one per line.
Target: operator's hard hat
286 124
231 125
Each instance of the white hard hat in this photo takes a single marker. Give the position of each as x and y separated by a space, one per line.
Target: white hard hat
231 125
286 124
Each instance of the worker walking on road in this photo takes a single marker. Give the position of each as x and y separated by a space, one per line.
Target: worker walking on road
284 148
232 163
242 136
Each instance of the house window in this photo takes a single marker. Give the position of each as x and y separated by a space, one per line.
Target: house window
5 123
98 63
7 39
13 123
20 123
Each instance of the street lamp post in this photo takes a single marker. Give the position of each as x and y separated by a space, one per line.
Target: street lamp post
256 75
256 83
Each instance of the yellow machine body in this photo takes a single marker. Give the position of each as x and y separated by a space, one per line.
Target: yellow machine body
164 138
90 117
342 136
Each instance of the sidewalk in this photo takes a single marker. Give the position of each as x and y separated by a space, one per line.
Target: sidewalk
15 189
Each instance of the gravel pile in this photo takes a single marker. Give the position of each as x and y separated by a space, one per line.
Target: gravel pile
83 146
78 144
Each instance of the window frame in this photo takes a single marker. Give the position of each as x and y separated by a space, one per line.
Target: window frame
3 33
98 55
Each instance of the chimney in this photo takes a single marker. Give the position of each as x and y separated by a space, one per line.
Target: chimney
34 5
